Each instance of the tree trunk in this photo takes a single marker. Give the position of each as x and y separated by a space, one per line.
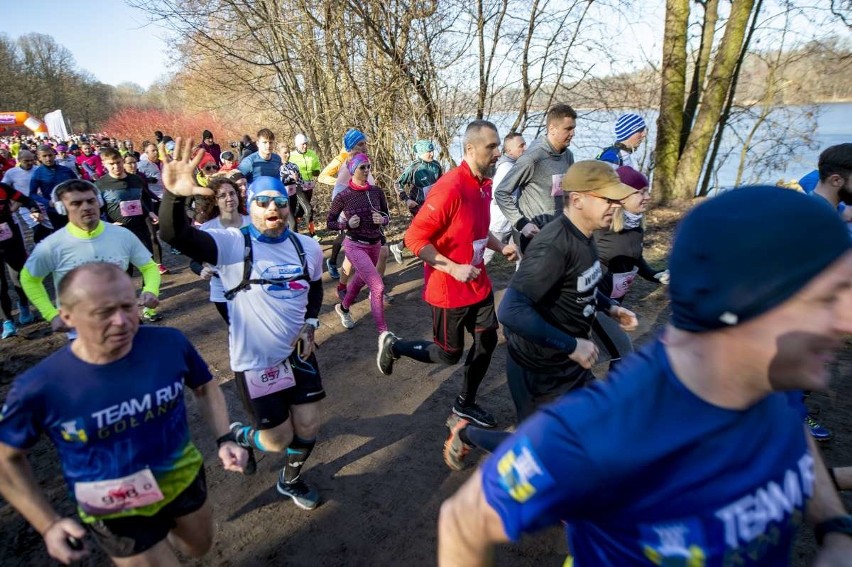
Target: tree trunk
692 160
671 98
708 30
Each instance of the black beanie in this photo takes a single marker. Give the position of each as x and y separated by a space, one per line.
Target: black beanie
738 255
206 134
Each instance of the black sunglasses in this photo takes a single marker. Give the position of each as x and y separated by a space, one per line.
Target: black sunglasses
264 200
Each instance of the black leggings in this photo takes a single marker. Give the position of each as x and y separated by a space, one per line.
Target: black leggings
335 248
153 230
222 308
13 253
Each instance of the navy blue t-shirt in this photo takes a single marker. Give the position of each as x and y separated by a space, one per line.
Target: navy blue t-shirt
647 473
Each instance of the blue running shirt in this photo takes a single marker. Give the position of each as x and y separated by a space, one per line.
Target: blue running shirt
647 473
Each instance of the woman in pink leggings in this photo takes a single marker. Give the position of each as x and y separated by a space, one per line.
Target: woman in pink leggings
361 210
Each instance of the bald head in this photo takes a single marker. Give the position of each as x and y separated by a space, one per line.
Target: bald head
77 282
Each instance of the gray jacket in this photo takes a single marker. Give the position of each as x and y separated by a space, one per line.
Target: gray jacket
537 176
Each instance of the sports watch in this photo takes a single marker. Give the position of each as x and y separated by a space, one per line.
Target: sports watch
836 525
313 322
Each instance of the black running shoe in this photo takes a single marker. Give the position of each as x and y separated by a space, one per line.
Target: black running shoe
385 357
241 432
302 495
475 414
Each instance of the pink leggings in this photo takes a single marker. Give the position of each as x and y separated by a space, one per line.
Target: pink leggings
364 258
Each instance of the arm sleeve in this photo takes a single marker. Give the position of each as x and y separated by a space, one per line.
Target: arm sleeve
645 270
23 200
328 175
434 216
334 213
519 175
314 300
603 302
37 294
176 230
518 314
246 167
22 417
150 276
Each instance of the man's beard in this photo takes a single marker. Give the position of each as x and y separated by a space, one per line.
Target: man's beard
845 195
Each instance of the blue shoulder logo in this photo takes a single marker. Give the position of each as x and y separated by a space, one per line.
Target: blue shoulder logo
74 431
678 543
521 474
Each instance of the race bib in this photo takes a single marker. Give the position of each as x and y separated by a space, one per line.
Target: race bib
270 380
621 283
130 208
5 231
478 251
103 497
556 185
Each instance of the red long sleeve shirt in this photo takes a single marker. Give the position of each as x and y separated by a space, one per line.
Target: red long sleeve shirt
454 219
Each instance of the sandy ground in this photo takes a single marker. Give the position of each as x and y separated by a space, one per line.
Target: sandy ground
378 463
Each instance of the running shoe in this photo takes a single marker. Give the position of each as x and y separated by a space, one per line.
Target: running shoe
151 316
332 269
163 270
455 450
241 432
25 316
818 431
9 329
302 495
345 316
385 357
475 414
397 253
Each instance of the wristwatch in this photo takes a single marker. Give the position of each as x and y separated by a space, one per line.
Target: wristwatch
313 323
837 525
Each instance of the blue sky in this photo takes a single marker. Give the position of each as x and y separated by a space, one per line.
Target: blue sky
108 38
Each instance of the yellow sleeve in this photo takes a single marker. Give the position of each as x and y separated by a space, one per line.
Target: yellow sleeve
37 294
150 277
329 174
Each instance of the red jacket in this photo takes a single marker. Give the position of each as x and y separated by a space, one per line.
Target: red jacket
454 218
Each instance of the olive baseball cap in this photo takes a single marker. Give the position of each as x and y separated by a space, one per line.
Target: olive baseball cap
598 177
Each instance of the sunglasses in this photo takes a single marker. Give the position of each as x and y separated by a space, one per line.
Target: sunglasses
607 199
365 167
264 200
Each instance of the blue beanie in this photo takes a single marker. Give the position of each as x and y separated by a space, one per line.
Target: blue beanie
740 254
627 125
265 183
352 137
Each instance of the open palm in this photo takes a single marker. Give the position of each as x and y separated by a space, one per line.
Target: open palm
178 173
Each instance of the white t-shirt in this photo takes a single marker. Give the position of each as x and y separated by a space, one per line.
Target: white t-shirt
20 180
265 319
149 169
499 223
62 251
217 290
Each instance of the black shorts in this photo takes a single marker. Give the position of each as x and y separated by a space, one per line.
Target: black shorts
450 323
273 410
125 537
530 389
13 252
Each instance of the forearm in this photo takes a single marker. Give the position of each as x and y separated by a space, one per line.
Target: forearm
20 490
150 277
518 314
37 294
495 243
645 270
843 476
825 503
603 302
314 300
431 256
468 528
176 230
211 404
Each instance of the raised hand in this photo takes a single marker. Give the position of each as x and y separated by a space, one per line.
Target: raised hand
178 173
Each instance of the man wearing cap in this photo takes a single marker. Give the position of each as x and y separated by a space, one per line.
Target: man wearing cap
273 279
692 451
630 132
530 195
414 184
66 159
550 307
309 168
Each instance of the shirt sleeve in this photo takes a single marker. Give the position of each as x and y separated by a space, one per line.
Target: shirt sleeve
199 373
542 268
519 175
21 416
434 216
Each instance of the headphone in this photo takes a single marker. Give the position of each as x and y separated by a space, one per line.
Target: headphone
59 207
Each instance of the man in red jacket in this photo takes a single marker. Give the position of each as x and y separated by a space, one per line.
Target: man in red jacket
450 234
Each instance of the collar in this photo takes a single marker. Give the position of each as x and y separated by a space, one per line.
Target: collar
260 237
83 234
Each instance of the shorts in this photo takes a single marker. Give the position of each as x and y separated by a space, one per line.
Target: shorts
530 389
132 535
273 410
450 323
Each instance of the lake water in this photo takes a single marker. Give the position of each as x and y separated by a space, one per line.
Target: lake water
823 125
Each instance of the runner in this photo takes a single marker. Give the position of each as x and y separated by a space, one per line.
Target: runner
414 184
85 239
514 146
274 282
361 210
450 235
309 169
131 167
120 428
637 465
261 162
45 177
13 254
630 131
291 177
19 178
530 195
225 215
551 307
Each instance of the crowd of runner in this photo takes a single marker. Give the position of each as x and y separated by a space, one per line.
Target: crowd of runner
690 451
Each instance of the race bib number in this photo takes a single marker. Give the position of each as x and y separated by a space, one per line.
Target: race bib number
270 380
104 497
130 208
556 185
621 283
478 251
5 231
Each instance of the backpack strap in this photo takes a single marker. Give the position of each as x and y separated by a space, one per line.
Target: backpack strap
249 258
